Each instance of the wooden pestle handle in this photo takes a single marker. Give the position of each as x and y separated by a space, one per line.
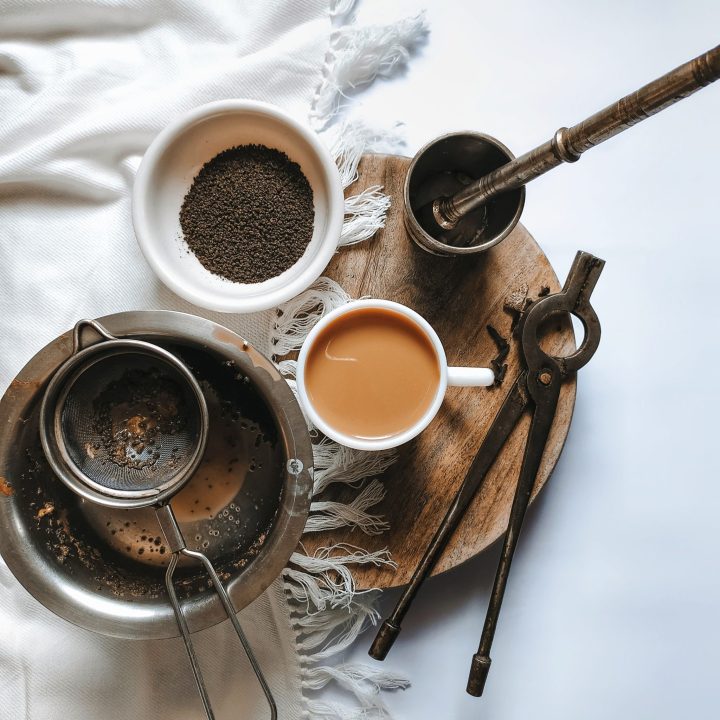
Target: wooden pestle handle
569 143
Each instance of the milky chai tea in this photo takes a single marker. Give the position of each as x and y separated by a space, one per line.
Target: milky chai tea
372 373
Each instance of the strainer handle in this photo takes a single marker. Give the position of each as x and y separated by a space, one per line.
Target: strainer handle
176 543
185 632
96 326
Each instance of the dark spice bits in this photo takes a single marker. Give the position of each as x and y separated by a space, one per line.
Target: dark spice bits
249 214
498 364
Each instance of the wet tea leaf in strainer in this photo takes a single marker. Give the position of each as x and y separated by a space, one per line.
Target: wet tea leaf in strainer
124 423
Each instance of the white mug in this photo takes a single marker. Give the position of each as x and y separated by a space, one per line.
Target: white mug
449 376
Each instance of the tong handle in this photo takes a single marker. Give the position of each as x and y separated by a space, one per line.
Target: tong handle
507 417
545 393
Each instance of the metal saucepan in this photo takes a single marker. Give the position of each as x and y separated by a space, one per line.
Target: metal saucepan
103 568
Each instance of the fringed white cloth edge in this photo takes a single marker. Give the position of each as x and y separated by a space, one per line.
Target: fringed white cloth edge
327 611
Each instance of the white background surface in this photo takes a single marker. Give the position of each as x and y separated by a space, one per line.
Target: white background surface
612 606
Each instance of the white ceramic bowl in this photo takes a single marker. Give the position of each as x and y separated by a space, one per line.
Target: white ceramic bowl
171 163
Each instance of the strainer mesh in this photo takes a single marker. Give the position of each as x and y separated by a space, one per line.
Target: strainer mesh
129 422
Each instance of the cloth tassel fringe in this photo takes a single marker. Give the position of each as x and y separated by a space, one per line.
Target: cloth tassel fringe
296 318
323 580
331 711
336 463
328 515
358 55
365 214
361 680
348 141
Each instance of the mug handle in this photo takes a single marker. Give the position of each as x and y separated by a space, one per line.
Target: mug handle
470 377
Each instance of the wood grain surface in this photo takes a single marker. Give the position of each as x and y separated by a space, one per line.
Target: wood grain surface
460 297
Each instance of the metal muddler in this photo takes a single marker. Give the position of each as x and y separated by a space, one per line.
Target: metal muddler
449 211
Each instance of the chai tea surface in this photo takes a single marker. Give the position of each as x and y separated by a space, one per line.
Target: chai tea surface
372 373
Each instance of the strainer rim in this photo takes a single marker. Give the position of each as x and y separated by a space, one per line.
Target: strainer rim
51 408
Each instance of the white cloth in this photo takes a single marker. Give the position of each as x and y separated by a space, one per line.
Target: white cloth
84 87
55 671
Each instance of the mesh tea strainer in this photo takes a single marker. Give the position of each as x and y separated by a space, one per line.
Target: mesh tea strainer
124 423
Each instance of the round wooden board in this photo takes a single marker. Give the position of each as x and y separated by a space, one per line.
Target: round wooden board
460 297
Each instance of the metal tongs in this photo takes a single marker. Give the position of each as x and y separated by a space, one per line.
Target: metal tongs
536 389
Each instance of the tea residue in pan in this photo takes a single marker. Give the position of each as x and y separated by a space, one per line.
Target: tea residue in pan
5 487
58 518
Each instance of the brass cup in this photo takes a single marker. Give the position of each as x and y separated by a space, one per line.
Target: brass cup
444 166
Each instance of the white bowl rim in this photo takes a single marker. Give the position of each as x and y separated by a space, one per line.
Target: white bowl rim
142 192
352 441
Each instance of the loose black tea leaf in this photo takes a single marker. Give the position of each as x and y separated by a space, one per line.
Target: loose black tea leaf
497 364
249 214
